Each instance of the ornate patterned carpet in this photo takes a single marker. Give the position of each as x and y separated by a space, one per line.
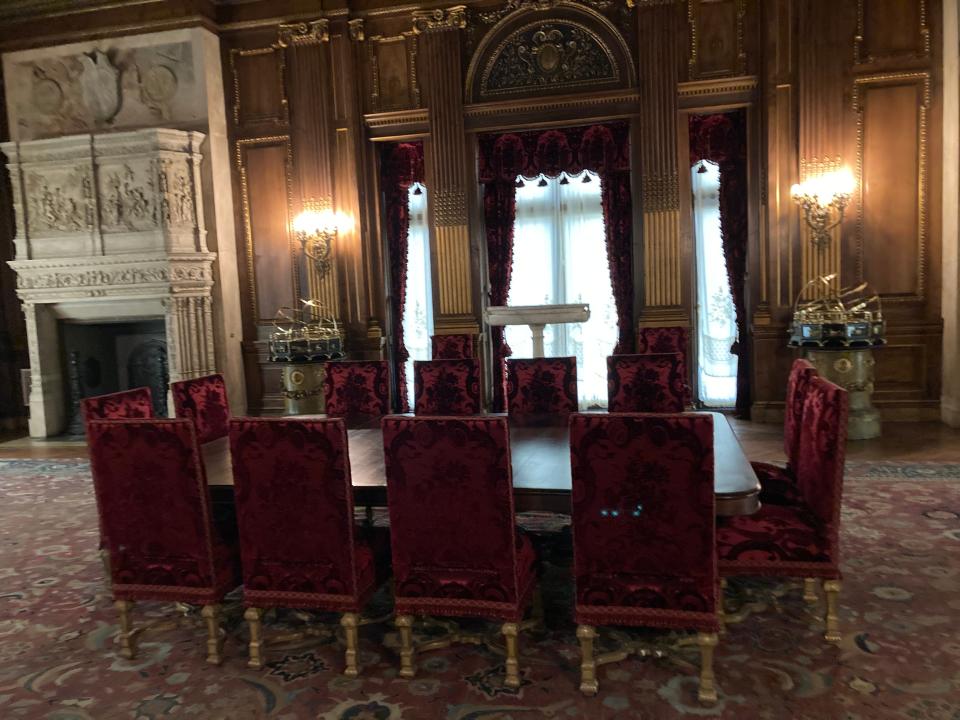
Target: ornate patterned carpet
900 657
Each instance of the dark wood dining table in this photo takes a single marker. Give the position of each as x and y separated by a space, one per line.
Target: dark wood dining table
541 468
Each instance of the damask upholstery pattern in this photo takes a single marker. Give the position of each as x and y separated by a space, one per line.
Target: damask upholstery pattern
203 400
452 347
135 403
356 389
778 484
295 511
139 466
674 339
456 549
646 383
800 537
446 387
541 390
643 520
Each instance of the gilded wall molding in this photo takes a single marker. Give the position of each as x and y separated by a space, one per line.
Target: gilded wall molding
284 117
313 32
922 190
453 18
694 33
860 37
411 41
399 119
660 192
718 86
241 147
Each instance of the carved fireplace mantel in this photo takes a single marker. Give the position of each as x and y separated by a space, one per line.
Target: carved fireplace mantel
109 230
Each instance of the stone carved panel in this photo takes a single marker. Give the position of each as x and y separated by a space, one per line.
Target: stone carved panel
127 198
557 54
106 85
59 201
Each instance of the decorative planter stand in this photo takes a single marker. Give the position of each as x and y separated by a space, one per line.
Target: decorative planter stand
303 388
851 369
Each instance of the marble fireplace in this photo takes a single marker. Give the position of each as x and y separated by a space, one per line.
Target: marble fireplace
109 231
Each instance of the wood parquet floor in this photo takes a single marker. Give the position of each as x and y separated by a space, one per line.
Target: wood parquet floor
909 442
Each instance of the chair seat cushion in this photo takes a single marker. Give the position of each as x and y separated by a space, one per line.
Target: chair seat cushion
778 485
776 540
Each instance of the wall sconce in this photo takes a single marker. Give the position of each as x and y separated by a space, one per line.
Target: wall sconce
315 230
822 198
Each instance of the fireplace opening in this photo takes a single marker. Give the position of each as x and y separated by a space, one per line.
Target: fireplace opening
100 358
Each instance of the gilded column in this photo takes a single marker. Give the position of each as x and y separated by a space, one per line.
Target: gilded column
660 37
311 129
446 167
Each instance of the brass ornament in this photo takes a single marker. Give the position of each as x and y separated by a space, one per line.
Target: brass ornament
304 33
453 18
843 366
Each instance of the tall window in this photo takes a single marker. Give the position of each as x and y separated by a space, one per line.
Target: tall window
418 308
716 317
560 256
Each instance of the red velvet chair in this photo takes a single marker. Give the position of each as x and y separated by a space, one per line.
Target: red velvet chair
356 390
456 548
673 339
155 510
778 484
541 391
645 383
452 347
644 550
135 403
203 400
800 539
446 387
295 512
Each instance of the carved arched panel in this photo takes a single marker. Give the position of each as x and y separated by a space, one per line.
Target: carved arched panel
546 48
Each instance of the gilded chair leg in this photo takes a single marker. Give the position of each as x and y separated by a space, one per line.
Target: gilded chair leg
588 668
831 589
254 617
128 641
404 625
509 631
349 622
708 689
810 591
211 613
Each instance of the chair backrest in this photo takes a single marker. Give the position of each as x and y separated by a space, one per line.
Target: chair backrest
446 387
801 373
135 403
203 400
541 390
673 339
643 510
822 450
356 389
294 505
450 495
153 500
452 347
645 383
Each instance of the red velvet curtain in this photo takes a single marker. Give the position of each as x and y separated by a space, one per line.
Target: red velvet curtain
603 149
401 166
722 139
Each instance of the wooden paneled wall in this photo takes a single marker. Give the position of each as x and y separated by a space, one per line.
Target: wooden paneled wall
824 82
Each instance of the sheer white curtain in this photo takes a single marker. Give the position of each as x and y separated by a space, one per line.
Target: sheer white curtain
418 309
716 317
560 256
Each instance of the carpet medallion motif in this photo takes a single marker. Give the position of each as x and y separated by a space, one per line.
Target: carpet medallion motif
900 657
